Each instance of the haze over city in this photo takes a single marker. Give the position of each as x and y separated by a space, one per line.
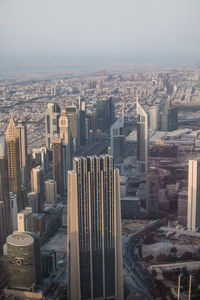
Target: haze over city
90 32
99 149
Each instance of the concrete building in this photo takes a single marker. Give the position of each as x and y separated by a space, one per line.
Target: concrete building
25 220
117 140
52 116
94 230
12 140
193 209
152 193
142 139
40 155
57 148
50 191
33 202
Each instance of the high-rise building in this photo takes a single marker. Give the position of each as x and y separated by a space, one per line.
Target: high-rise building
105 113
152 193
37 184
4 194
169 118
40 156
142 139
82 115
33 202
25 220
153 118
66 138
13 210
57 148
52 116
23 260
74 125
3 225
23 152
94 230
182 207
117 140
50 191
12 140
193 209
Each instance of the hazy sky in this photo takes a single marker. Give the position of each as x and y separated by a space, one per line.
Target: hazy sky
136 29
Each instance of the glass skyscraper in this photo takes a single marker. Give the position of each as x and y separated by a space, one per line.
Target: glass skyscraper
94 230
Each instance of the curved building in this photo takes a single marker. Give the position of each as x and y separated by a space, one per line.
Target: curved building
22 260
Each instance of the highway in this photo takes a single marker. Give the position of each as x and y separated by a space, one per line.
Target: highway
143 280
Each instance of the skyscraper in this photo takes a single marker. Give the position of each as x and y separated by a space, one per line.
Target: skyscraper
52 115
105 113
169 118
152 193
153 118
3 225
65 135
94 230
37 184
57 148
142 139
193 210
12 140
117 140
23 152
74 125
4 194
50 191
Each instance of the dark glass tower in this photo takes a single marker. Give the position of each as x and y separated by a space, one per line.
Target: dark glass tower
94 230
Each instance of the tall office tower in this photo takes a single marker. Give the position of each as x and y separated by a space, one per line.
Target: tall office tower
87 128
13 210
4 194
169 118
23 156
142 139
65 135
105 113
23 260
52 116
82 115
12 140
3 225
40 156
25 220
94 230
33 202
50 191
74 125
37 184
117 140
57 147
152 193
193 209
153 118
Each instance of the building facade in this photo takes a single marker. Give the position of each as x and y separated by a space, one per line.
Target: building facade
94 230
52 116
193 209
142 139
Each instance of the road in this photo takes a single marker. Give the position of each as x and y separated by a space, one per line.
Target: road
142 278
